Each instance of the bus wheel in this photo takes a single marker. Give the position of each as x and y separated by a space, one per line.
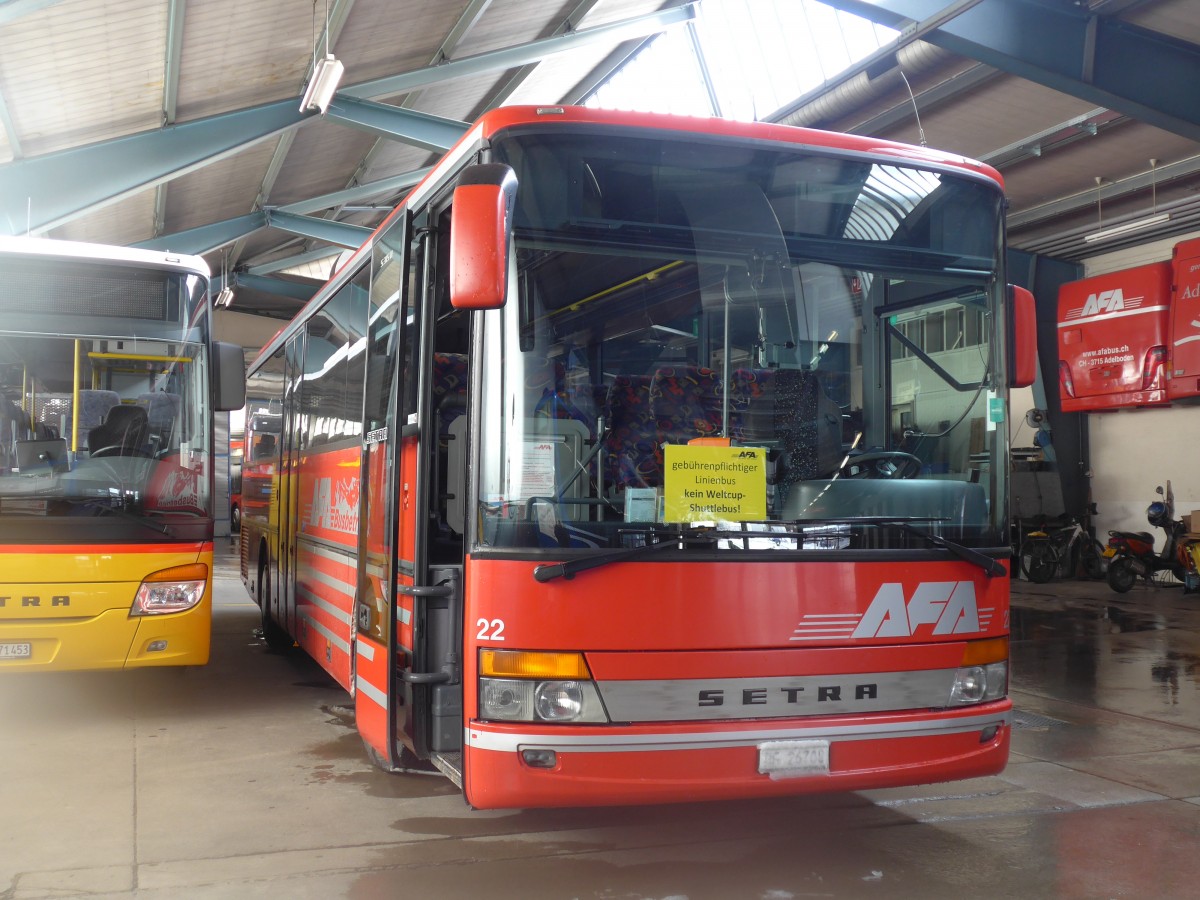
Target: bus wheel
276 639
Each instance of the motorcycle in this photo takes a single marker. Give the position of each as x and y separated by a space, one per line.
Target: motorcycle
1133 553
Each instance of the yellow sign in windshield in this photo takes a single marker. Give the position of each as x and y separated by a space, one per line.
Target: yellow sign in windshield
707 484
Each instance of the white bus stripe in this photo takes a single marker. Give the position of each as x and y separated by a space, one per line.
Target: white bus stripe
640 743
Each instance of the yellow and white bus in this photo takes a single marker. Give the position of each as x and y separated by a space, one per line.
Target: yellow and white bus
109 378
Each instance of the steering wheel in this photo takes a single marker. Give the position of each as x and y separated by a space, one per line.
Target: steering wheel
883 464
118 450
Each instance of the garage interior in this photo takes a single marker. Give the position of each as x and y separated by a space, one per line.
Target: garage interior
176 125
183 132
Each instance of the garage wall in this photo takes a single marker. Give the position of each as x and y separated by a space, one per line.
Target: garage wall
1133 451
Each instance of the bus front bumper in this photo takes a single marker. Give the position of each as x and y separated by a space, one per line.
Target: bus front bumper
110 640
687 762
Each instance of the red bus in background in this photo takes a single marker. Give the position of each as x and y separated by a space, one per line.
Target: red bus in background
236 455
1184 365
1131 338
643 459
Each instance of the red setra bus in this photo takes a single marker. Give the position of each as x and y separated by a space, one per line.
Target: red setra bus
639 459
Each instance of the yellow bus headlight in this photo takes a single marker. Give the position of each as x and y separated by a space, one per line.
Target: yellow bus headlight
170 590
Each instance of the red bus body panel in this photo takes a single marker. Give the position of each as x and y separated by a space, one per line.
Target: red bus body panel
1184 366
1108 327
692 622
326 548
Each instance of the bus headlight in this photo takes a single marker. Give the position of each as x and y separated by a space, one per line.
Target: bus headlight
979 684
983 674
170 590
529 691
514 700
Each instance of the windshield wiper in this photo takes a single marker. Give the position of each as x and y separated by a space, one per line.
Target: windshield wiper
676 539
797 530
570 567
991 567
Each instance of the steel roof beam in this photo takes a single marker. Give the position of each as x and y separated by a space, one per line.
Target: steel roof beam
290 289
14 141
570 23
467 20
510 57
11 10
1106 192
329 36
340 233
1056 137
1099 59
207 237
358 192
175 16
421 129
65 184
943 92
288 262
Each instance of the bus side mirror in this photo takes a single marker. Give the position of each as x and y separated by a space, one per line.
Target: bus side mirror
480 236
1022 337
229 377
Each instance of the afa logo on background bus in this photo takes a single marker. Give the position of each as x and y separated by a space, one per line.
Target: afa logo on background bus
1104 302
949 606
334 505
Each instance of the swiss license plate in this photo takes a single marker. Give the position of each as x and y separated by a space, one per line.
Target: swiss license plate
20 650
793 759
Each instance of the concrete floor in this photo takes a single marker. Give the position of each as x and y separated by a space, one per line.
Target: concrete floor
246 779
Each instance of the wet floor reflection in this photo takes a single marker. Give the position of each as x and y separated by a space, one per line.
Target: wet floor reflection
1084 644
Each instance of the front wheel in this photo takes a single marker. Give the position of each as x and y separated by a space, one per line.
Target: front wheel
1039 561
1121 576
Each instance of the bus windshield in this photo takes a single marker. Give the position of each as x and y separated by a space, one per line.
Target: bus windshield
755 338
105 424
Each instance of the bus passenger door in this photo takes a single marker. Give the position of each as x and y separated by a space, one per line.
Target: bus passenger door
289 480
386 507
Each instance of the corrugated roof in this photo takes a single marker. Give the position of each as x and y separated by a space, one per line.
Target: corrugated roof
77 73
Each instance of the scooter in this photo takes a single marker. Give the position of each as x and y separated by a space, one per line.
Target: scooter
1133 551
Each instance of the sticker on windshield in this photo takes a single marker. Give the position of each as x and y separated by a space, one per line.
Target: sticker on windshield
709 484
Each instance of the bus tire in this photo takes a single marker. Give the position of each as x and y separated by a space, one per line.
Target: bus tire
276 639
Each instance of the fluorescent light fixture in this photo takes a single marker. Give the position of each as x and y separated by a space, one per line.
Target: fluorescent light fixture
1126 227
323 84
224 298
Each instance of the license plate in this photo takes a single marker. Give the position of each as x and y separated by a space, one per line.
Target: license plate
793 759
22 650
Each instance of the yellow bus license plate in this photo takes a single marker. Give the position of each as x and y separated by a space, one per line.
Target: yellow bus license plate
21 650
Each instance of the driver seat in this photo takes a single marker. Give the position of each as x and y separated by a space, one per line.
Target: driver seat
126 427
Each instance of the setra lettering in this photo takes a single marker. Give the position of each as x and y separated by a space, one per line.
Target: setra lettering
791 695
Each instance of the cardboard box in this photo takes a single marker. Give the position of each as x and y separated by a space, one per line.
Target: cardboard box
1191 524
